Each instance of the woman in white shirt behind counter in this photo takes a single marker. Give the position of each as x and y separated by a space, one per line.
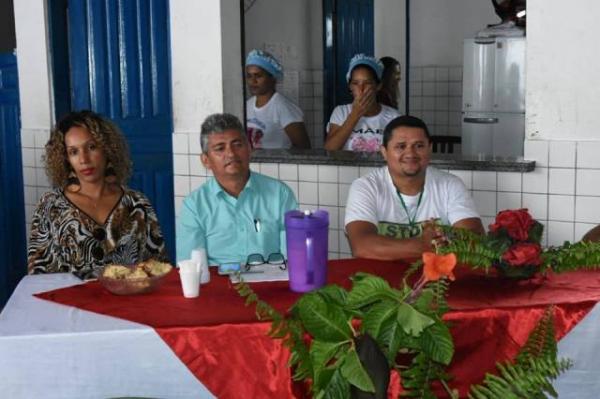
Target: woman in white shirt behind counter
272 120
359 126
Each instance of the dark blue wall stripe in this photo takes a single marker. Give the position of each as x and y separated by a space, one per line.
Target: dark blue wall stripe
12 213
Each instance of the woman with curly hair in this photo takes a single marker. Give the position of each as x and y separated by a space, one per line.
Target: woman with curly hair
90 218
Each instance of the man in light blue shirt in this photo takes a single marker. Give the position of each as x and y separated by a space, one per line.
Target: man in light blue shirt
237 212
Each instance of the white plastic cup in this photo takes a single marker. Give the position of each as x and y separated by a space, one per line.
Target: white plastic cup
200 258
189 275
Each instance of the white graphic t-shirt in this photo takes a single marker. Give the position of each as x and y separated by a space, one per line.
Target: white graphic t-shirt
373 198
367 135
265 124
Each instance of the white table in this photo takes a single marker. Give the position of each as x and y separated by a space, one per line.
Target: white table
48 350
582 346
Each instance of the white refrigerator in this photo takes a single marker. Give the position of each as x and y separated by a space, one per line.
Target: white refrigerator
493 107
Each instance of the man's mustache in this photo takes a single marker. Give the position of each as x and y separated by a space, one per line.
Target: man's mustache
232 160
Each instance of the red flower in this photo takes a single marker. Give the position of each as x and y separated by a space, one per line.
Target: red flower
516 223
522 254
436 266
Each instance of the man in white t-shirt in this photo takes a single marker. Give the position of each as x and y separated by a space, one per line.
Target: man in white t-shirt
389 211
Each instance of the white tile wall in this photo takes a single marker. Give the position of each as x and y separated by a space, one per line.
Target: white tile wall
563 192
559 232
562 154
484 180
485 201
561 181
587 209
466 176
308 193
566 199
436 97
310 101
588 182
509 181
587 154
508 201
288 171
537 205
536 181
538 150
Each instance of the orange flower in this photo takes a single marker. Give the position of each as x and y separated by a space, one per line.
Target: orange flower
437 266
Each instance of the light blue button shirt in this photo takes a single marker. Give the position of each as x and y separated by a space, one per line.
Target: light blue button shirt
232 228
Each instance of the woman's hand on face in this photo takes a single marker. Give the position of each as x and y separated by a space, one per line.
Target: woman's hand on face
363 102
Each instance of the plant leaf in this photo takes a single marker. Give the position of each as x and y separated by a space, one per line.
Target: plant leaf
325 322
353 370
321 354
392 338
334 294
338 387
369 289
412 321
436 342
375 317
535 232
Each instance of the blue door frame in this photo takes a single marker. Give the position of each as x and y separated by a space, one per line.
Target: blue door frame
114 60
12 213
348 29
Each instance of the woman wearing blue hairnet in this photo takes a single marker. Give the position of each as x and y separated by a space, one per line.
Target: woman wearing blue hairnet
272 120
359 126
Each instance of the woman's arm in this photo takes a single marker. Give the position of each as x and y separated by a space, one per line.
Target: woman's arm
155 242
297 133
39 251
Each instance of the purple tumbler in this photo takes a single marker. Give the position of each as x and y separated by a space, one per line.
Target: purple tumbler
306 237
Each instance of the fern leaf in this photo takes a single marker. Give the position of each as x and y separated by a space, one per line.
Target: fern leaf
529 377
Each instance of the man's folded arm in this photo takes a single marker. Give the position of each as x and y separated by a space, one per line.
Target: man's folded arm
473 224
367 243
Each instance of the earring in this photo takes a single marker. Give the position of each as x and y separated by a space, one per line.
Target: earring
73 185
109 174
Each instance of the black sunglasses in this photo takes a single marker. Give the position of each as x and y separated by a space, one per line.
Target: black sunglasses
275 258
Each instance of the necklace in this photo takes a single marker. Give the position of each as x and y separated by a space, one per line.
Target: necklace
411 220
91 199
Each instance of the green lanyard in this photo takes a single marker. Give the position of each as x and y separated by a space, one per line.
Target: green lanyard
411 221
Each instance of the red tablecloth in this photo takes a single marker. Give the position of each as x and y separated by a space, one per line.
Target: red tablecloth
221 342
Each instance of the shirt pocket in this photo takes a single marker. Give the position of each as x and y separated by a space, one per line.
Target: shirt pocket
265 237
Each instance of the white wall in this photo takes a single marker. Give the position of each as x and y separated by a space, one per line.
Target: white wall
34 96
33 64
289 29
438 28
196 63
563 64
231 54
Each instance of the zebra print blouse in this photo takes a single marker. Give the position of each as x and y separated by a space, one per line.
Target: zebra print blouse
63 238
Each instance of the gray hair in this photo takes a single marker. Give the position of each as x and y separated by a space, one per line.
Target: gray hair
218 123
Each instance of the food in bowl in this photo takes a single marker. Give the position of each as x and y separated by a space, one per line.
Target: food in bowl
138 279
